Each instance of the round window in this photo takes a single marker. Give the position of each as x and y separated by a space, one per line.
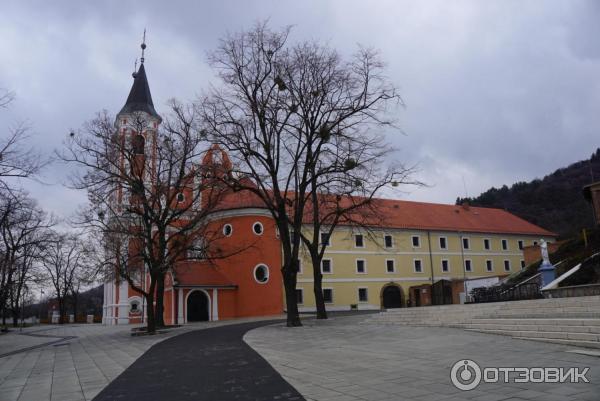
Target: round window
261 274
257 228
134 307
227 230
180 197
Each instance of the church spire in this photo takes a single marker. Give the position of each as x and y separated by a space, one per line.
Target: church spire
139 98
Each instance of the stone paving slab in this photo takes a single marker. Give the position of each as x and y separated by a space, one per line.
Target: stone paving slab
79 368
345 359
18 339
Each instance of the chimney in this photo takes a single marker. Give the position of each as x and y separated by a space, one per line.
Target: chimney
465 205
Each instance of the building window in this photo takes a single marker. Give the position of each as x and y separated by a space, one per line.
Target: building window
325 239
328 295
197 249
261 274
486 244
522 264
418 266
299 266
359 241
443 243
326 266
507 265
389 241
504 245
180 197
363 295
416 241
445 266
390 265
138 144
468 266
489 266
300 295
465 243
227 230
521 245
257 228
361 267
134 306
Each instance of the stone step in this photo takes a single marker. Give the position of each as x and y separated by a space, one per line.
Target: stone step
557 315
539 322
506 308
573 343
530 328
555 335
592 301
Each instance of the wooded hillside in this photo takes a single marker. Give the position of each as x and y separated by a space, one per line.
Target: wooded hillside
554 202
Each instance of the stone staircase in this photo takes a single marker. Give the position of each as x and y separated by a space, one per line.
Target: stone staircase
570 321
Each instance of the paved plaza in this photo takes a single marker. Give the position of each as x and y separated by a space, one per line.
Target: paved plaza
78 367
343 360
68 370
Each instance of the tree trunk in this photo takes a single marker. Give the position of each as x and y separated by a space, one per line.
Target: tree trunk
159 310
75 299
291 300
61 310
151 321
318 286
15 317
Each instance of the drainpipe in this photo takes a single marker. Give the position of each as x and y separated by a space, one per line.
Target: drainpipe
431 266
462 254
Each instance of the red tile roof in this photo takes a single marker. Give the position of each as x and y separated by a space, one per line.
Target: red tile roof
191 273
442 217
402 214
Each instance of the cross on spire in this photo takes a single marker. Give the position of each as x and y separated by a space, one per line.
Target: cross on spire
143 46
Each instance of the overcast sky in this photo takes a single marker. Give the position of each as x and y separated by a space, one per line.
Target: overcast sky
495 91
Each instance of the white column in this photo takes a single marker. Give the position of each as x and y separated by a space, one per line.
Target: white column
104 303
215 304
111 304
123 303
180 306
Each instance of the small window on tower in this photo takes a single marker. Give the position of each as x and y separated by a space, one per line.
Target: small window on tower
180 197
139 144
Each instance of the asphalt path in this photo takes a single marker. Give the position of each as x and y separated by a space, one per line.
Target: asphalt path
211 364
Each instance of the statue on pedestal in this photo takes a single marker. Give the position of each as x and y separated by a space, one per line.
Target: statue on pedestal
546 269
544 249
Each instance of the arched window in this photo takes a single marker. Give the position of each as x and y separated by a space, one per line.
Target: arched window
139 143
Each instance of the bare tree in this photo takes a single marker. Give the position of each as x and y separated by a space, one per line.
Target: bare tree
62 261
23 227
283 112
16 158
6 97
150 198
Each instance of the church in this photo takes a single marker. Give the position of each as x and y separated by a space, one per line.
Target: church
390 266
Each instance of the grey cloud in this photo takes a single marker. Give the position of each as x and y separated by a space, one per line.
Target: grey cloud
496 91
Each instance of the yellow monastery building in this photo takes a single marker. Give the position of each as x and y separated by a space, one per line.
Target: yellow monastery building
395 263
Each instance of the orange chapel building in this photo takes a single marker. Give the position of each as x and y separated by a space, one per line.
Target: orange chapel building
419 243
